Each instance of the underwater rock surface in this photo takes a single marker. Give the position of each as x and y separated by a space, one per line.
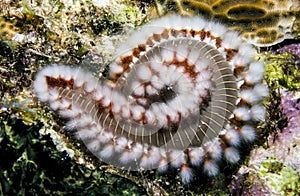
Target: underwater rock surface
40 159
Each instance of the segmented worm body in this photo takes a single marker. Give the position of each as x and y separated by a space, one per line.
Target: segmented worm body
183 93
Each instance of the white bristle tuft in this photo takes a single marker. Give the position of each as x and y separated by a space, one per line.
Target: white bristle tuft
105 102
90 85
144 73
150 159
116 107
214 149
216 29
115 69
65 73
137 38
52 71
84 134
193 57
107 151
181 53
247 51
240 83
252 78
156 61
232 137
105 137
232 155
196 156
136 152
242 113
261 90
71 113
64 104
257 67
118 101
249 96
255 72
177 158
80 79
186 174
156 82
210 168
93 145
71 124
231 40
151 90
124 159
248 133
163 165
125 112
137 88
204 76
163 162
40 87
137 112
197 23
120 144
68 113
84 121
258 113
97 94
54 105
168 56
201 64
53 95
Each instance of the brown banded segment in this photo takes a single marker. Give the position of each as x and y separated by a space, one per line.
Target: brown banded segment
230 53
59 82
157 37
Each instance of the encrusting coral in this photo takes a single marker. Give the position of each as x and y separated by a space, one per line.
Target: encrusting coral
262 22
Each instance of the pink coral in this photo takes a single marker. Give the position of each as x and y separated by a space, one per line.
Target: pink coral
290 106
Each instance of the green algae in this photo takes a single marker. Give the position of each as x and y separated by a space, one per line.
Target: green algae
33 166
283 180
112 19
282 71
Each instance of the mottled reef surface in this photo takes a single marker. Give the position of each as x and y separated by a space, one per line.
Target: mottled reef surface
39 157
